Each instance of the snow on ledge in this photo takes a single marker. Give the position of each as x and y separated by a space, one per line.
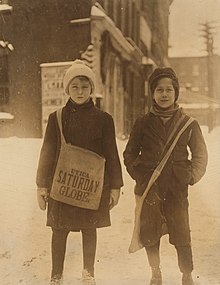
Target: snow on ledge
4 115
5 7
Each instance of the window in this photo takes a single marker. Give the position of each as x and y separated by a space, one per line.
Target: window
135 25
3 1
195 89
133 10
188 85
4 91
110 9
118 11
195 70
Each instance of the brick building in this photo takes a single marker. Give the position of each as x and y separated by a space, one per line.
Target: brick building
199 89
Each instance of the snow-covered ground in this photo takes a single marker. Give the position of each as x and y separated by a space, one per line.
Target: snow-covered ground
25 240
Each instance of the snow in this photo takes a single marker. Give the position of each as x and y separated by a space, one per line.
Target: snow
25 240
5 7
4 115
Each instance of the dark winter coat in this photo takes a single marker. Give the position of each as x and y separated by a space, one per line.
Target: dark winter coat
167 199
90 128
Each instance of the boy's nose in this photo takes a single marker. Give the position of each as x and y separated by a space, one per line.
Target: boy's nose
80 91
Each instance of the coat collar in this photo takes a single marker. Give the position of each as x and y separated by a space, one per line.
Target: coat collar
71 105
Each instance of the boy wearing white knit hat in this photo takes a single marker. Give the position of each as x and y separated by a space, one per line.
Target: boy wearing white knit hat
87 127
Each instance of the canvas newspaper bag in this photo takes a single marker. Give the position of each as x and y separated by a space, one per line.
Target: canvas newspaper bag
79 175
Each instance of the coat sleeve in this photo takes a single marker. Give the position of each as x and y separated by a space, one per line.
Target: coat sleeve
132 149
110 151
199 153
47 160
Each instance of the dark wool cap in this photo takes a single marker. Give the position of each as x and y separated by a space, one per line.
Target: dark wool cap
161 72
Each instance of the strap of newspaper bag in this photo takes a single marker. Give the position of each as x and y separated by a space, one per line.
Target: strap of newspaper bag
85 169
135 241
59 120
176 127
161 165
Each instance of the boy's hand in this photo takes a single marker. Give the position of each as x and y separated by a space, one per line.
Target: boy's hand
114 197
42 196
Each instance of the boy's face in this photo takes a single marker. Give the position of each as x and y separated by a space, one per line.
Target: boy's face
164 93
80 89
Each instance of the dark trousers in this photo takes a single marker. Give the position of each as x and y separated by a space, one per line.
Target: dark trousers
184 254
58 247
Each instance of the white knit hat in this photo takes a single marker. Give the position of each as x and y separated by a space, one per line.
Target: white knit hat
78 68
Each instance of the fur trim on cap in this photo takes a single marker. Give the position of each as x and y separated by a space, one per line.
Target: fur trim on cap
78 68
161 72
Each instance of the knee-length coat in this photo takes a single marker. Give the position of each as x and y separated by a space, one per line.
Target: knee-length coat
90 128
167 199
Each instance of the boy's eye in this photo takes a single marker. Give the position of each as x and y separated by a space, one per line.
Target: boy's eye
159 90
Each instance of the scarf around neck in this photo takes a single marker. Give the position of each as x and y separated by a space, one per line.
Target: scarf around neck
164 114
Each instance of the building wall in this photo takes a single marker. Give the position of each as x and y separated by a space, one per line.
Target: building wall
199 92
156 13
135 19
40 32
193 74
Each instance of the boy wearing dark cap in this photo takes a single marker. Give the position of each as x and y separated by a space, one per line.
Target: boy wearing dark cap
165 209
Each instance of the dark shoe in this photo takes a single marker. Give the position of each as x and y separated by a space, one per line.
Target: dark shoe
156 277
187 279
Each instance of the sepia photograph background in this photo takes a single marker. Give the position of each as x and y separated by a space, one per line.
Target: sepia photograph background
123 41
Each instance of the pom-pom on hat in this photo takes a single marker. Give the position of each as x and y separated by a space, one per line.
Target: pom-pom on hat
78 68
161 72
